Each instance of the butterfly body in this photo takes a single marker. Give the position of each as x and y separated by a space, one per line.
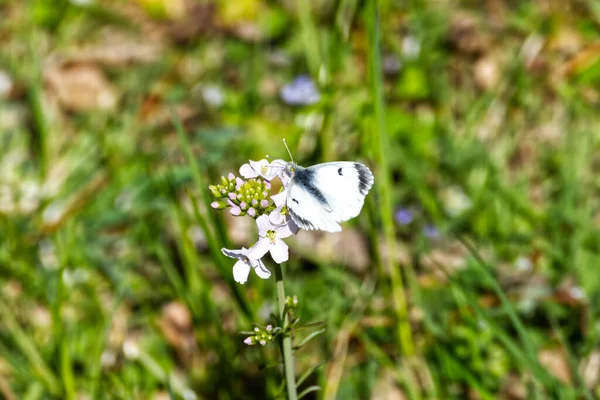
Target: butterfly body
325 194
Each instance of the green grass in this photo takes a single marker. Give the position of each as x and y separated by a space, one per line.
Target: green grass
105 214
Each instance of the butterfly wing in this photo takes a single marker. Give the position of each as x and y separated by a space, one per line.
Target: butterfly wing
325 194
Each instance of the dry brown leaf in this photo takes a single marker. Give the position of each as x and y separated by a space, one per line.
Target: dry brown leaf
466 35
198 19
555 361
347 247
447 259
513 388
386 387
570 293
566 41
589 368
487 72
80 87
119 326
401 255
176 326
580 61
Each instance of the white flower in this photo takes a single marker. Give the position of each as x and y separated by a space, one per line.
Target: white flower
280 215
260 168
271 236
241 268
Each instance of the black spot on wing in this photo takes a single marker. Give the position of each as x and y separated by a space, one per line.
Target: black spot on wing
295 201
365 178
305 178
339 171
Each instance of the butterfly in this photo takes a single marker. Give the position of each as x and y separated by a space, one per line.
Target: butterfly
321 196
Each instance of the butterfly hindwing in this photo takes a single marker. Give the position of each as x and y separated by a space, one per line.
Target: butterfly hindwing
325 194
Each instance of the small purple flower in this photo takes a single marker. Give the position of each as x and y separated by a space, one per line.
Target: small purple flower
249 341
251 212
271 240
431 231
300 92
235 211
403 216
232 196
215 205
245 263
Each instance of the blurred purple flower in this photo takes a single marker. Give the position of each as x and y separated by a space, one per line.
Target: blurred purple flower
300 92
403 216
431 231
391 64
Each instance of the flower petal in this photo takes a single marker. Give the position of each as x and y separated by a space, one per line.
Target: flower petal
276 217
259 249
258 165
279 251
285 179
241 270
260 269
264 225
247 171
235 253
280 198
284 230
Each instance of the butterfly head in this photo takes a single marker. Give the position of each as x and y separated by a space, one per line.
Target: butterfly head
290 169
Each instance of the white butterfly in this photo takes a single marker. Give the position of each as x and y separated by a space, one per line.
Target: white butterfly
320 196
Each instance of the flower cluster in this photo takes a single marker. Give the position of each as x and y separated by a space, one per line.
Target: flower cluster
244 197
251 196
262 336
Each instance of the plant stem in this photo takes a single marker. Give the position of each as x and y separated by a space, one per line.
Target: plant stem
380 145
288 356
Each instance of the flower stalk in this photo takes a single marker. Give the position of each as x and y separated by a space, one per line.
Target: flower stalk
286 345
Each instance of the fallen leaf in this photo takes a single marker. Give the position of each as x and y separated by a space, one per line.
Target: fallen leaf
386 387
555 361
589 368
487 72
349 247
466 34
513 388
176 326
80 87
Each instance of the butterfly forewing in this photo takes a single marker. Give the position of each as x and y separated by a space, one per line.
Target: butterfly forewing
325 194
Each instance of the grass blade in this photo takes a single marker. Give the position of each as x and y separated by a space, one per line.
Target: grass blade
379 143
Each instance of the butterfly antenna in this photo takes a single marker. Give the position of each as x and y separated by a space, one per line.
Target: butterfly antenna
288 150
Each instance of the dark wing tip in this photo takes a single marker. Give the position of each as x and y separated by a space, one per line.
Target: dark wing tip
365 178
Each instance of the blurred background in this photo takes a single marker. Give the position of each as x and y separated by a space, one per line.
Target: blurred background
473 271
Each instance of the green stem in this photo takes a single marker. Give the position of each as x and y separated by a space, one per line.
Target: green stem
380 145
288 356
